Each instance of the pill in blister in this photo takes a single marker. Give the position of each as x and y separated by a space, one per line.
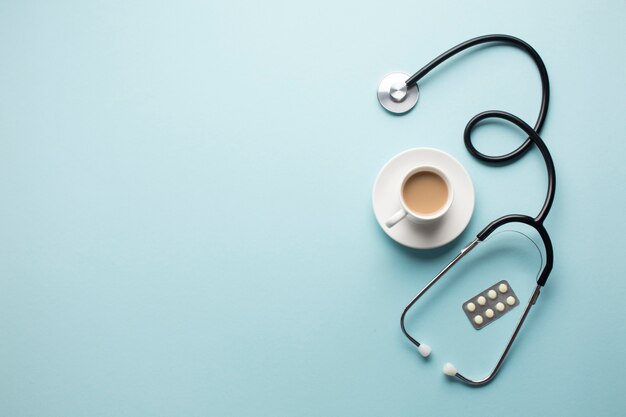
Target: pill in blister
489 313
478 319
503 288
510 300
481 300
492 294
500 307
470 306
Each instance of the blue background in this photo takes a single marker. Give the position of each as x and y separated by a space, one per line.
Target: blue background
186 225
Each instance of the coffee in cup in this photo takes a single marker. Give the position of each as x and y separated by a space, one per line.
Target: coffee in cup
425 195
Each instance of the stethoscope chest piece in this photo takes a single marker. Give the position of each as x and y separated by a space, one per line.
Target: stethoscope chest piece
395 96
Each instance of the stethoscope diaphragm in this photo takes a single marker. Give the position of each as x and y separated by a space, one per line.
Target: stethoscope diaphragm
395 96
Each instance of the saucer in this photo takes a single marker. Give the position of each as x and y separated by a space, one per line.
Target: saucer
386 199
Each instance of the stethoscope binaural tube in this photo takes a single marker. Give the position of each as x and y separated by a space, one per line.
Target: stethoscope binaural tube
536 222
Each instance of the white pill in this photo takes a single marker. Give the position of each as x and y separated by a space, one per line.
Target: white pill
478 319
481 300
470 307
492 294
510 300
503 288
489 313
500 307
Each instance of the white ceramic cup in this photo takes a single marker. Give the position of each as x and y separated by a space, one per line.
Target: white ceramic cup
413 216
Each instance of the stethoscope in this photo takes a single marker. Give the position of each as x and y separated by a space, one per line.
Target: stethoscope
399 96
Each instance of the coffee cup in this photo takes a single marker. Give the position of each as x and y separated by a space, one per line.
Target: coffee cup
425 195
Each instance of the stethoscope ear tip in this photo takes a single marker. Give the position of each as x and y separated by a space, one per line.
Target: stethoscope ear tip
449 369
424 350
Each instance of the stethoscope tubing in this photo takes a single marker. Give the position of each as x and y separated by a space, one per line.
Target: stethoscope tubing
536 222
545 87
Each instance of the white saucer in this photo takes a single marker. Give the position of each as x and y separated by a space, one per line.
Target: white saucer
386 199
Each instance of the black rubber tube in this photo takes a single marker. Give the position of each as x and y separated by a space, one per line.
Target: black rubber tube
533 137
545 89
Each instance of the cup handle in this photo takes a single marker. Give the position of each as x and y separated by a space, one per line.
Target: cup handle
393 220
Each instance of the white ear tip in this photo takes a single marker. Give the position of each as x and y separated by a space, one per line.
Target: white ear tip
424 350
449 369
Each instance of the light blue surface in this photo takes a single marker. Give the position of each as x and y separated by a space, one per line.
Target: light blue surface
186 226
